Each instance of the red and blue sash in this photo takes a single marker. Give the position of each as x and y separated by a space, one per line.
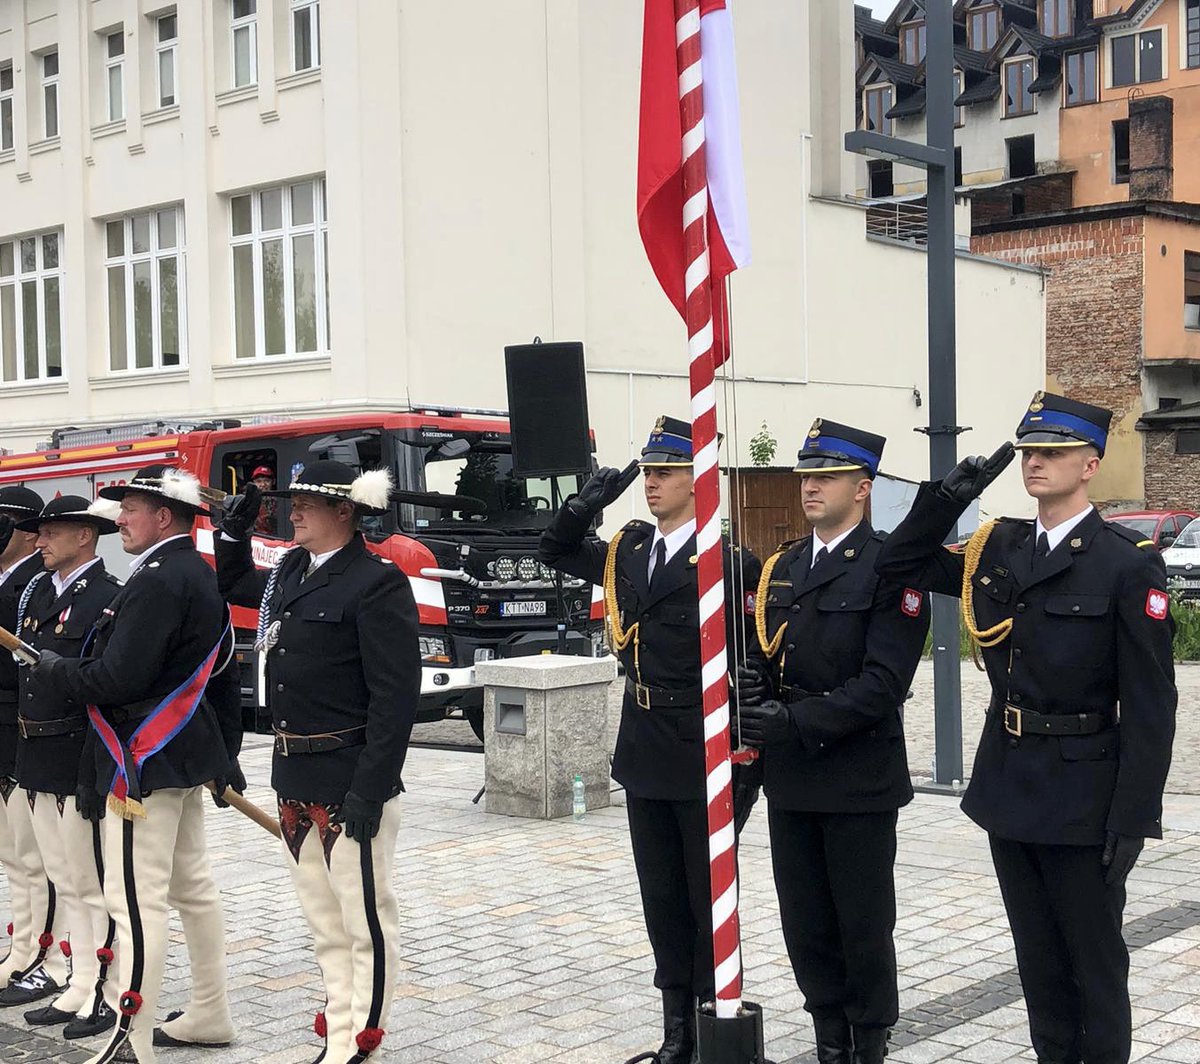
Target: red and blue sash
166 720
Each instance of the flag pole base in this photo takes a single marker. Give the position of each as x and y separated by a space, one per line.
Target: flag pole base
737 1040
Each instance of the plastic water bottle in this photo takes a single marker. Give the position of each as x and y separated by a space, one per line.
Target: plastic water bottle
578 798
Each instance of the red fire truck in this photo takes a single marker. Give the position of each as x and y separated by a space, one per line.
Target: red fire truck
464 529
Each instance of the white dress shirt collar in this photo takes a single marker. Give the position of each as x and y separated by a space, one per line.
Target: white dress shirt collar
1055 535
144 557
674 541
62 583
818 543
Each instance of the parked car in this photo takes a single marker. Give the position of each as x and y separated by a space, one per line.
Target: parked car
1182 559
1161 526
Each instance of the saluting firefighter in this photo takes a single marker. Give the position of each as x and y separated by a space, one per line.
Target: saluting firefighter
649 577
57 613
35 967
842 647
1073 619
155 743
338 626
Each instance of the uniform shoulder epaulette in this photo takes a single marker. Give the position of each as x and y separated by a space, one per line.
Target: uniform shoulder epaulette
1134 537
787 545
879 534
638 525
1015 520
111 578
381 559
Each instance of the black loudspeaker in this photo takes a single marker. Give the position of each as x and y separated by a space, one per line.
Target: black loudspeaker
547 409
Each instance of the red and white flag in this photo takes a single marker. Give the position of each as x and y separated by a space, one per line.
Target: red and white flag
660 170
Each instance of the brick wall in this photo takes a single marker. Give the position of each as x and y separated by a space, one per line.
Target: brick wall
1172 480
1052 192
1151 147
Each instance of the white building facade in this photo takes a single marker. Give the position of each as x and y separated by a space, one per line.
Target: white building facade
243 207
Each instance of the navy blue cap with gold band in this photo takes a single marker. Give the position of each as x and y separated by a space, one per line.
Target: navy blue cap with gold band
835 448
670 444
1054 421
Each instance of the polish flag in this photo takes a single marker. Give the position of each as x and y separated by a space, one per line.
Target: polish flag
660 169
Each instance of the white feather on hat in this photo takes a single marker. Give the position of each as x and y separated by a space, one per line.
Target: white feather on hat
106 509
372 488
182 487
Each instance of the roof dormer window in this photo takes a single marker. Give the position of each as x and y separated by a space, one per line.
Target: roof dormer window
912 43
983 28
1054 17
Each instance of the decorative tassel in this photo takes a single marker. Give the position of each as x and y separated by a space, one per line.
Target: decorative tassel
368 1038
127 808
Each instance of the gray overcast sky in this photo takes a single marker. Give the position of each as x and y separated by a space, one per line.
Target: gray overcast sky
882 8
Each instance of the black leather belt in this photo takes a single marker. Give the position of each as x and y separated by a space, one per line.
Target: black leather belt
286 745
788 693
1019 722
661 698
37 729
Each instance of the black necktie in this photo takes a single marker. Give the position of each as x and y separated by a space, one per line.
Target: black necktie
1041 550
660 563
822 554
312 568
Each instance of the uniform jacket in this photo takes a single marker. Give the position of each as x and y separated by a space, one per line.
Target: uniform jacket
659 752
61 623
1090 633
10 596
847 658
346 656
149 639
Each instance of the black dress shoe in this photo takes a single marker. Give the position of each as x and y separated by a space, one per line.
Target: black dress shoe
103 1019
48 1016
870 1044
34 987
834 1041
162 1039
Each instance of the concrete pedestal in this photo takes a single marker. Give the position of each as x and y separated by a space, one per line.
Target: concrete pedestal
544 720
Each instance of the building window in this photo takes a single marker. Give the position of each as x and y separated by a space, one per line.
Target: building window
114 74
879 178
1187 441
144 265
1054 17
1018 76
1080 84
1021 158
245 42
306 34
50 95
1193 33
960 114
6 107
167 32
1120 151
983 29
1191 289
958 170
912 43
280 243
1137 58
31 308
876 104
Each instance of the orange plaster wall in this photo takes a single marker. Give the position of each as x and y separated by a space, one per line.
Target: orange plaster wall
1085 133
1164 334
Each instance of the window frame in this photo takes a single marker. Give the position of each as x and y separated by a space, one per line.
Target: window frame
983 13
288 231
1062 7
155 256
248 23
114 63
50 82
960 113
1116 177
162 48
1190 34
1019 61
7 103
1137 36
38 277
916 26
1191 265
313 9
1094 84
879 90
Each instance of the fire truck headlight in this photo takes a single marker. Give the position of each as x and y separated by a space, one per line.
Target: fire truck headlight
528 568
505 568
433 649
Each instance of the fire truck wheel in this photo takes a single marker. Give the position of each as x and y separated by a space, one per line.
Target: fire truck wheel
474 717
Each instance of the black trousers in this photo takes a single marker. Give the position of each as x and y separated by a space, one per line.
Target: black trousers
837 902
670 852
1074 965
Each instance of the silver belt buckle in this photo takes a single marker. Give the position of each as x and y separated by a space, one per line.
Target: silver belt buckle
641 695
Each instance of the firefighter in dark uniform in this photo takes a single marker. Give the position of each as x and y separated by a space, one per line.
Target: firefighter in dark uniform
842 647
649 579
35 968
155 742
338 625
1073 620
57 612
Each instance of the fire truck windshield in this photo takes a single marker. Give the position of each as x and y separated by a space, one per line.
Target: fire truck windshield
475 475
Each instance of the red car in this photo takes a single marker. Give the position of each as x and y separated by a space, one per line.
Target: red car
1162 526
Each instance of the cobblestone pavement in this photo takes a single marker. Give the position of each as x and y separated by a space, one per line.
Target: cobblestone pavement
522 940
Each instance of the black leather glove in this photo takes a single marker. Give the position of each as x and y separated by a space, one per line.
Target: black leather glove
753 683
237 513
967 480
764 724
47 662
8 526
1119 857
89 804
234 779
360 817
605 487
747 784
